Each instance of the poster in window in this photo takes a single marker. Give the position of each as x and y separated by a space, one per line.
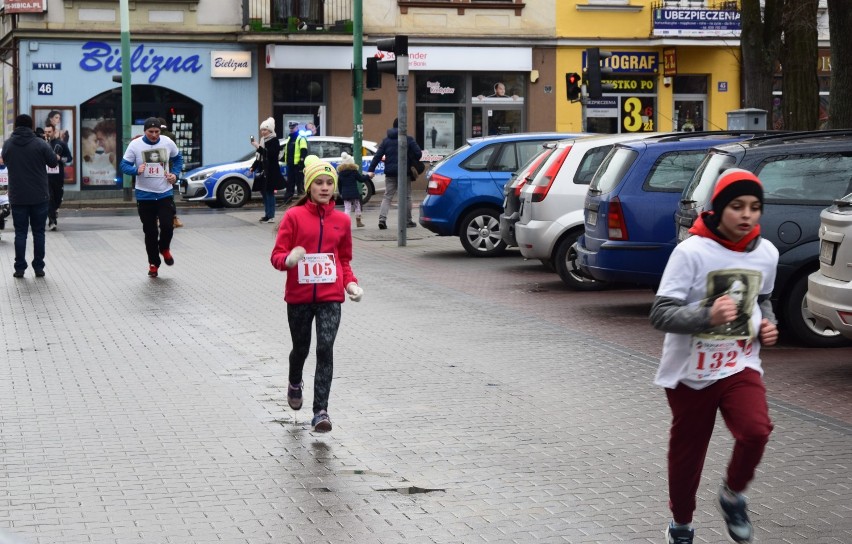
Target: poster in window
61 118
438 133
98 153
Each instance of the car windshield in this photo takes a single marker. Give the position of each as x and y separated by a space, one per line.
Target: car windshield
697 192
816 178
463 148
673 170
590 163
613 169
480 159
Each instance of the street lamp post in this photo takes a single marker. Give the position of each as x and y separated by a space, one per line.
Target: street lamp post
125 88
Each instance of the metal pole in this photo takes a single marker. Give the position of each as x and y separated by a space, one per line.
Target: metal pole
402 148
125 89
357 74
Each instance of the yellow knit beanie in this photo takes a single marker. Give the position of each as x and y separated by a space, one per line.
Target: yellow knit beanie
314 167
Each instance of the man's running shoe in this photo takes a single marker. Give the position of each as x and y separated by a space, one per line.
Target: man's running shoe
679 536
736 516
152 270
167 257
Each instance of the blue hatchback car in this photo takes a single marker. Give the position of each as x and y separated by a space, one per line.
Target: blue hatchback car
631 202
465 190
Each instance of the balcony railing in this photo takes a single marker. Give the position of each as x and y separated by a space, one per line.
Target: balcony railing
291 16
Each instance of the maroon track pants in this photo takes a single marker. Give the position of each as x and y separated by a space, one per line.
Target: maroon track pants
742 400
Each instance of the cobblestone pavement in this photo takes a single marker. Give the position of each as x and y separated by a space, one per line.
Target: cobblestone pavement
474 400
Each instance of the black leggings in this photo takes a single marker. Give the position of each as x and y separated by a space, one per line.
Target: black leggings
158 237
299 317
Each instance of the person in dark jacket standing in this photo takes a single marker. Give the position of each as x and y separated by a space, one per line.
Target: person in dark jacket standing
389 150
27 157
56 174
267 171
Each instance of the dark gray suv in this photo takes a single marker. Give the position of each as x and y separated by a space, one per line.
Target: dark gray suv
802 173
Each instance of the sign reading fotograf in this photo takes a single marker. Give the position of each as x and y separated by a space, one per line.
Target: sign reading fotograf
230 64
26 6
697 22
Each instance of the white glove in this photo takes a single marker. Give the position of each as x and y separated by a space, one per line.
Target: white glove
355 292
295 256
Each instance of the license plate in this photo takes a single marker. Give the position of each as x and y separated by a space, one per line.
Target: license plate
592 218
826 252
682 233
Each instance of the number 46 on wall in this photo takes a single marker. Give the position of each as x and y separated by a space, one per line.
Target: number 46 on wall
45 88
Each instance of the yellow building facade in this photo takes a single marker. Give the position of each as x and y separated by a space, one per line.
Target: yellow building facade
671 68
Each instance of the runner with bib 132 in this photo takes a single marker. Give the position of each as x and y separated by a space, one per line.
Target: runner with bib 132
713 304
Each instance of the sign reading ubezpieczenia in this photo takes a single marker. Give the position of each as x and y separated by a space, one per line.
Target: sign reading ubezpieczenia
25 6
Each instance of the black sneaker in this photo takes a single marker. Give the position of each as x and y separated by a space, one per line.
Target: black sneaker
321 422
736 517
382 225
39 273
294 396
18 274
264 219
679 536
411 224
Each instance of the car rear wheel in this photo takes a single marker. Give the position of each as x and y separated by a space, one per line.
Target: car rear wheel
566 266
799 321
480 233
233 193
367 191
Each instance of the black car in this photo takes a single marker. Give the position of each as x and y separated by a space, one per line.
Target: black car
802 173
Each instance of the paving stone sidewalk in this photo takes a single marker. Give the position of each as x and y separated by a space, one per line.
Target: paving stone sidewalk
147 411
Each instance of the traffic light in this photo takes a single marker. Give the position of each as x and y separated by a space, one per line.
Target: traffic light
398 45
374 78
594 71
574 85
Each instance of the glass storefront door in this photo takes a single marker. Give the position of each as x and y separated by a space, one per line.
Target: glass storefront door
490 120
689 113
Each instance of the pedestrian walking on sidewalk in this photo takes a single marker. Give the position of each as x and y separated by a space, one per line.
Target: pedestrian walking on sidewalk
707 368
267 171
348 181
153 159
390 151
56 174
28 157
314 247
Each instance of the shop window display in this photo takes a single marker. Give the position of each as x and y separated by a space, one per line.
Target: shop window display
101 145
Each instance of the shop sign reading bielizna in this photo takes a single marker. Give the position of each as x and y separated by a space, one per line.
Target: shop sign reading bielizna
101 56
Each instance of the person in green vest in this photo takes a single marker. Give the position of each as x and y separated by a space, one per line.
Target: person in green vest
295 150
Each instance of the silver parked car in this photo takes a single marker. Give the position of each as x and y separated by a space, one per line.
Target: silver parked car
829 297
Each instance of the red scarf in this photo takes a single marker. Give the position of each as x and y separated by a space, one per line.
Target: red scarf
707 226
